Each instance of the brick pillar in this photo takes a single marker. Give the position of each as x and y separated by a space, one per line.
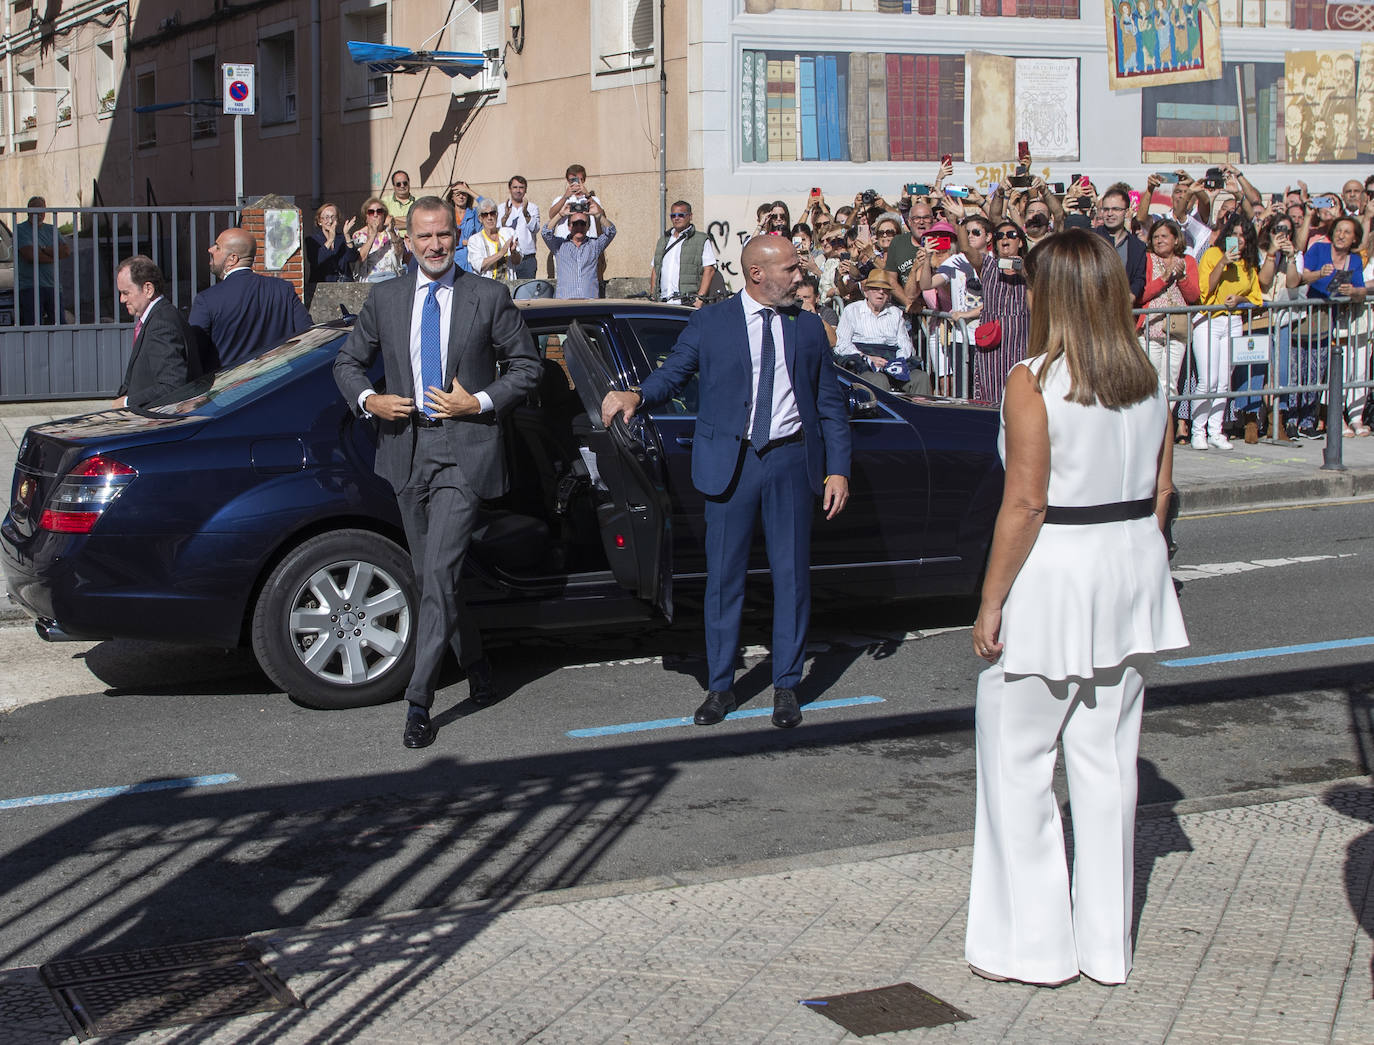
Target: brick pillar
252 220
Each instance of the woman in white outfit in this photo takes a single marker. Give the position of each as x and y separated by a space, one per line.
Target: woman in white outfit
1077 595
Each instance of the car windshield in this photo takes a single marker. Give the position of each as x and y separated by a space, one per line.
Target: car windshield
215 393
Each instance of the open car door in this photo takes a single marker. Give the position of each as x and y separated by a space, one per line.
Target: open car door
633 508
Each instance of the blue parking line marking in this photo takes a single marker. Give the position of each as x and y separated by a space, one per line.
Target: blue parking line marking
181 783
669 723
1272 651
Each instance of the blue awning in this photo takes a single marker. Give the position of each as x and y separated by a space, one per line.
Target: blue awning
384 58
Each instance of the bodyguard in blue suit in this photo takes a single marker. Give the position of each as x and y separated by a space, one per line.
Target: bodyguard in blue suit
772 434
244 314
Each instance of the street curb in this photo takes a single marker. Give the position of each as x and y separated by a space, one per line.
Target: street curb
1319 486
799 862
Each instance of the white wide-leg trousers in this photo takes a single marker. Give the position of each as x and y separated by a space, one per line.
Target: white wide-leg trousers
1023 922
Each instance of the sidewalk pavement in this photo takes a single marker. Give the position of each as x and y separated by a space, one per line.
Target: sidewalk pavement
1248 476
1254 919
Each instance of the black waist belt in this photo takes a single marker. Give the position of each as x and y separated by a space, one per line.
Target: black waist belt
1085 515
425 421
772 444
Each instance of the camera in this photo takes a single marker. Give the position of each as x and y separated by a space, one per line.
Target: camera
1213 179
580 207
868 196
1010 264
1057 187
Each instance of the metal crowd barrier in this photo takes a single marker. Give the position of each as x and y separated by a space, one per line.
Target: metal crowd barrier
1309 358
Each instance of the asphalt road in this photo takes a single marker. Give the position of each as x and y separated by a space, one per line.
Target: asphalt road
324 815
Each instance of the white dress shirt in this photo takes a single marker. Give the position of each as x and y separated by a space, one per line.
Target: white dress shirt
444 297
860 323
786 418
671 275
509 216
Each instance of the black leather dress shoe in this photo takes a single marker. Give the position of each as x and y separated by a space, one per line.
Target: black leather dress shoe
482 683
419 731
786 714
714 708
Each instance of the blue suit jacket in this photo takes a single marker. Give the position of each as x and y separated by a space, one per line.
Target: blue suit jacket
715 346
243 315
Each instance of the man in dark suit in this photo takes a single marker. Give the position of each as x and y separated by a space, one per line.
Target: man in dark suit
440 333
164 356
772 433
1115 208
244 314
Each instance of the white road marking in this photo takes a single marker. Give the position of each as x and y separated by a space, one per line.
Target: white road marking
1206 570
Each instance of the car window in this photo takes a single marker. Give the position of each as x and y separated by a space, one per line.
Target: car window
654 338
215 393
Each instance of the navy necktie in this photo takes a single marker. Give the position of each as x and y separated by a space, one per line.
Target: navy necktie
763 402
431 354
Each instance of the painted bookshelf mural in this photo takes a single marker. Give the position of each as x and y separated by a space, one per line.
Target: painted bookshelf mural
1302 110
973 8
855 106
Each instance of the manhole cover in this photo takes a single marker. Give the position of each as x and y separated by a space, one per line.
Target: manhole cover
903 1006
164 987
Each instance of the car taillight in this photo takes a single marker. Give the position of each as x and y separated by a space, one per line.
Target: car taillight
88 489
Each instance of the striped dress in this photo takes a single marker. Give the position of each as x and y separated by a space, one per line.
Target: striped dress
1004 299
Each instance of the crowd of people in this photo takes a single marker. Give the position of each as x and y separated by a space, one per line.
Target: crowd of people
930 291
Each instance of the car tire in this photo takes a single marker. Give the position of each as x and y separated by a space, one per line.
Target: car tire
334 624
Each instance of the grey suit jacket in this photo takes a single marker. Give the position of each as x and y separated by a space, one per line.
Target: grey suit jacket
485 328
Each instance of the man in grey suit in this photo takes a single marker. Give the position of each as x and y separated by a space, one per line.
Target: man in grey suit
441 333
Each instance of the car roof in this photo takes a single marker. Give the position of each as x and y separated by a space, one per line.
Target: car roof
601 306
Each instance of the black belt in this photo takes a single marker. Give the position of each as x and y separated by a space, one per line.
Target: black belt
425 421
1085 515
772 444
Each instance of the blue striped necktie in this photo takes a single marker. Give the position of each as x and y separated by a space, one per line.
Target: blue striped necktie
431 354
763 402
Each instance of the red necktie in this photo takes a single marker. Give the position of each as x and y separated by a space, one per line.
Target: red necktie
138 325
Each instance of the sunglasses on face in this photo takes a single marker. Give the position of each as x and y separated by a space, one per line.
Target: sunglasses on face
678 214
400 184
376 210
976 231
1009 235
885 232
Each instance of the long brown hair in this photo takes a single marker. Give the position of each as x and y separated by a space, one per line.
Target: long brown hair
1081 311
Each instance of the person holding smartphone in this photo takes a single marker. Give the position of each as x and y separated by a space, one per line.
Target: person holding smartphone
1334 269
1280 280
1005 321
1228 275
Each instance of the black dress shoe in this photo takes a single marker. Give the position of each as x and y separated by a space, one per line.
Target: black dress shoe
714 708
482 684
419 731
786 714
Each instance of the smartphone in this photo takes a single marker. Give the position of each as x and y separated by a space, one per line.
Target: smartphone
939 244
917 188
1057 187
1276 197
1167 177
1323 202
1023 152
797 242
815 193
1020 181
1075 178
946 158
1232 243
1010 264
957 191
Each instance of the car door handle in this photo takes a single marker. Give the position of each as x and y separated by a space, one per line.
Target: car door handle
684 440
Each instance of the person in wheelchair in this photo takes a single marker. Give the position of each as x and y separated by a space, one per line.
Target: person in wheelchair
873 342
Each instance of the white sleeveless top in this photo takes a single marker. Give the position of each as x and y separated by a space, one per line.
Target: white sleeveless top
1090 596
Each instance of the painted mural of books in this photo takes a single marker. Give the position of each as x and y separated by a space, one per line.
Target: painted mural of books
942 8
852 107
1237 118
1155 42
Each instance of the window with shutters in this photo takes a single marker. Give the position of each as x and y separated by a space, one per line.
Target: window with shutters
145 93
277 78
624 40
361 88
63 92
477 26
205 87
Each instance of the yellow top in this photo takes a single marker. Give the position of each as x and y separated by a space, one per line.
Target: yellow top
1238 278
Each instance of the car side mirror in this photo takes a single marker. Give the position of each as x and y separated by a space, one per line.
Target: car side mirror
862 401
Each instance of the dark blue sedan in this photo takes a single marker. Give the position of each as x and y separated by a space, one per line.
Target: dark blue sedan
247 512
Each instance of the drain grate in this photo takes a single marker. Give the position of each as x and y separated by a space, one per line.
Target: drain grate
903 1006
164 987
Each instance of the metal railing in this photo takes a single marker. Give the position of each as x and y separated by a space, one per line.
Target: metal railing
76 288
1303 359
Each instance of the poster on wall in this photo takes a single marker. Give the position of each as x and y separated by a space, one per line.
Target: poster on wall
1321 112
1156 42
1364 102
1044 109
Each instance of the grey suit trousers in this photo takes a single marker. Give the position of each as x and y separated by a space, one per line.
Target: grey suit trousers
438 509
